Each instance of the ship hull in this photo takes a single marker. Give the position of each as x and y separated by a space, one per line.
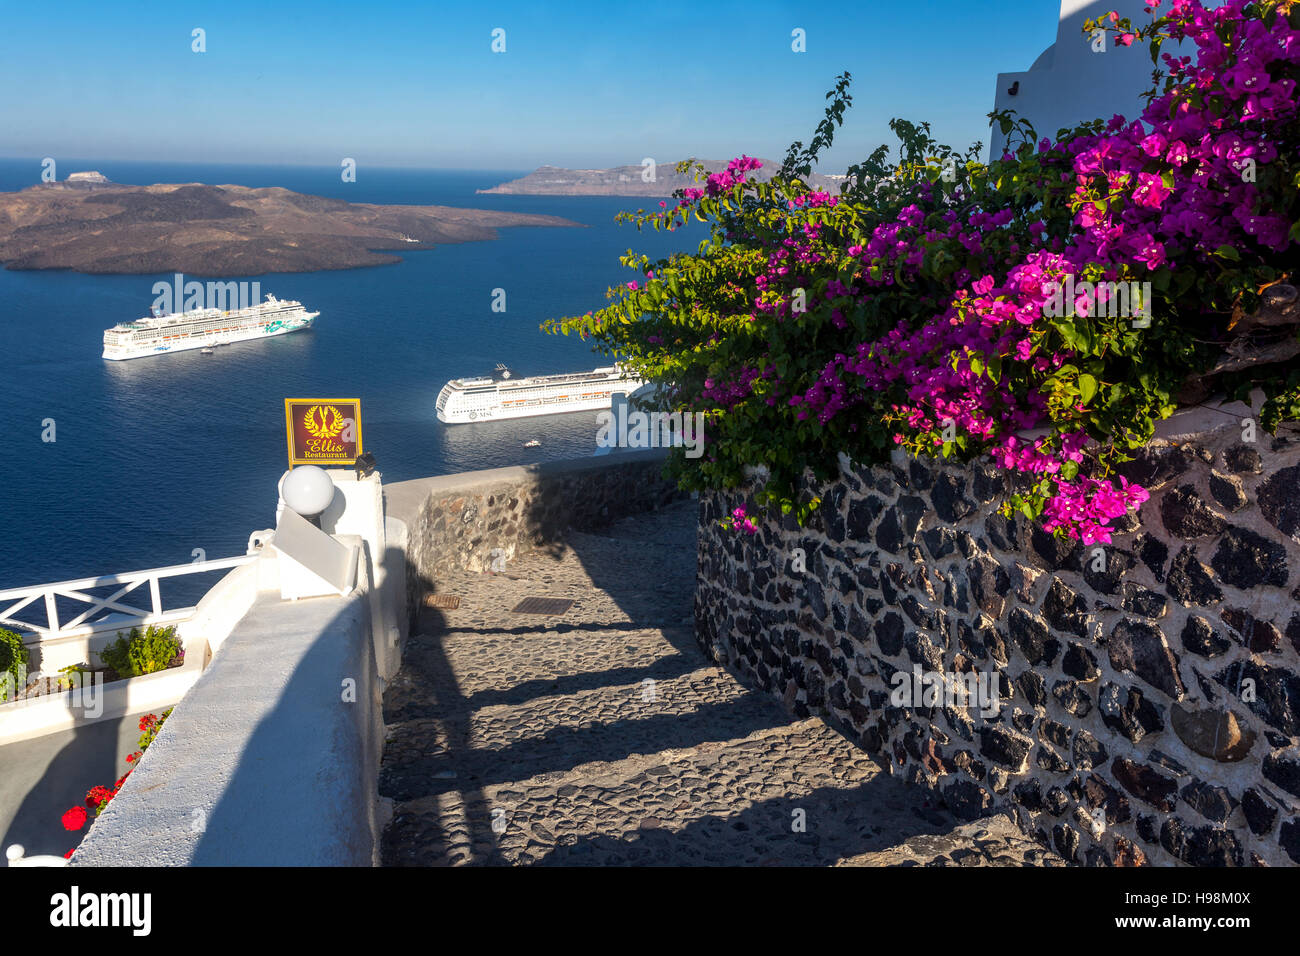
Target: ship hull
207 340
501 413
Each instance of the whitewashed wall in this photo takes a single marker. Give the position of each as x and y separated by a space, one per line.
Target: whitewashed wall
1069 83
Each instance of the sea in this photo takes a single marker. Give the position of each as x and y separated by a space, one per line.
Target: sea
164 460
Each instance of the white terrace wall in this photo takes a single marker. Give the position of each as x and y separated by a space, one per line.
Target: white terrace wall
1149 699
272 758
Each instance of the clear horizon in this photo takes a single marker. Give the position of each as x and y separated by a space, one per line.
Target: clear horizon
418 87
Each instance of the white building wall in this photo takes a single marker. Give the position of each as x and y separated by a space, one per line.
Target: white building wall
1069 83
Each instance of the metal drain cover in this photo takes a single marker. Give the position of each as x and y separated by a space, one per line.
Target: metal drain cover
542 606
447 602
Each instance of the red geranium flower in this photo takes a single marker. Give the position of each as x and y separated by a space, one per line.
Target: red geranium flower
75 818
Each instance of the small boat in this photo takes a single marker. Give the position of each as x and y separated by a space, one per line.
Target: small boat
206 350
532 444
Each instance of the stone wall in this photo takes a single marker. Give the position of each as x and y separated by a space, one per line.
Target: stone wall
1148 690
459 521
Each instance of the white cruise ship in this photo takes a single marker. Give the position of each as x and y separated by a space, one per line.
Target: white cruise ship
499 396
201 328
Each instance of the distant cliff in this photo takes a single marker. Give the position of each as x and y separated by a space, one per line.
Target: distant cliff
629 180
92 225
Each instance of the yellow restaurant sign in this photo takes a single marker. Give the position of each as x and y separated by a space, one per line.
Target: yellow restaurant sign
323 431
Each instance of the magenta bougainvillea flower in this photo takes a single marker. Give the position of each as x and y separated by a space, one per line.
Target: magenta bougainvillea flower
987 353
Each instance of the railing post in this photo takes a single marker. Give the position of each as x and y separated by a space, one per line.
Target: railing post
51 612
153 594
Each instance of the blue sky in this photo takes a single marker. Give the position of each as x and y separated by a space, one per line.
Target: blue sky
416 84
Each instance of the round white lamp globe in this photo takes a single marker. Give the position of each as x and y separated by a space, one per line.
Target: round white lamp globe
308 490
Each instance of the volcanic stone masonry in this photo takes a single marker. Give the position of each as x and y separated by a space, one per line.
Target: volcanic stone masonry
1149 689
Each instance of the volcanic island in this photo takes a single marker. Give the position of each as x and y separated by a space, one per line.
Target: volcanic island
88 224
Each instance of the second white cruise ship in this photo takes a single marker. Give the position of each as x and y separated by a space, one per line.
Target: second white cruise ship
499 396
157 334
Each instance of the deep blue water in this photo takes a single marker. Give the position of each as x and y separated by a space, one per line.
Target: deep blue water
155 457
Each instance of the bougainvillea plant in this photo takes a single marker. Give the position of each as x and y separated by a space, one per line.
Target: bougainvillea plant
921 307
98 797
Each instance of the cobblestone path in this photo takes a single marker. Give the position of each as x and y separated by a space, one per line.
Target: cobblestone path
604 735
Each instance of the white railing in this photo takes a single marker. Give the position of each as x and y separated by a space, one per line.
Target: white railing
128 614
16 858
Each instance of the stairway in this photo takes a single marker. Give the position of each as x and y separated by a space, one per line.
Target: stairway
604 736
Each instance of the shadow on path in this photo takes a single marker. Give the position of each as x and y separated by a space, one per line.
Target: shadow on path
42 777
818 828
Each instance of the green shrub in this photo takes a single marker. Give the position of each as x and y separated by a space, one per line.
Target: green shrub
13 661
142 653
73 676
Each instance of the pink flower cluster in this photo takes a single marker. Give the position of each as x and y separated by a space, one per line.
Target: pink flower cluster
742 520
1166 193
1085 506
981 323
718 183
1209 158
1209 204
813 200
730 393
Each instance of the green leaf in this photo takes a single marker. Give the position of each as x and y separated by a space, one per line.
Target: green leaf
1228 252
1087 388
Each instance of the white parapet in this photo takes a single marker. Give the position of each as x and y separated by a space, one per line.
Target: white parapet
273 757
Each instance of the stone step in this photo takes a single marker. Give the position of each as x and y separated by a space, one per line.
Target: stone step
494 667
444 748
812 799
992 841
